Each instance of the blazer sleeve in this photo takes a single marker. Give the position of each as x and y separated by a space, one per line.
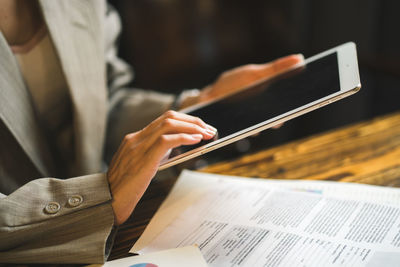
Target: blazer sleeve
50 220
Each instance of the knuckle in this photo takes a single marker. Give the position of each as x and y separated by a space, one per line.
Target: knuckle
140 134
250 67
196 128
168 123
128 137
142 131
163 140
225 74
182 137
170 114
199 121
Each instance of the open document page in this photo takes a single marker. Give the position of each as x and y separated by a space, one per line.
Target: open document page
253 222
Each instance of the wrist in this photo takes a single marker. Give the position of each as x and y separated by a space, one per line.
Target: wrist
124 198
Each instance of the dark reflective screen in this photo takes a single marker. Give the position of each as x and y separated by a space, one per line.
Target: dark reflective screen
269 99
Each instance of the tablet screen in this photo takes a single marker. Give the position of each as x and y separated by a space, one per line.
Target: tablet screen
269 99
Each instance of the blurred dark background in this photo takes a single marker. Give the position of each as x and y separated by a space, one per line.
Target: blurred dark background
178 44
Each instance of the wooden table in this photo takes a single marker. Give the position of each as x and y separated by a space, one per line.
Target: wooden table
367 152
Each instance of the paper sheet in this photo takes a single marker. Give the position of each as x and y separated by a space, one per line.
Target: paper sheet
249 222
178 257
191 185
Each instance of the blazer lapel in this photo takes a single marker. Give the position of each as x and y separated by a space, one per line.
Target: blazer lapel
76 31
17 112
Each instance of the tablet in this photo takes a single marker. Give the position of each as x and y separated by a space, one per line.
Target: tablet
321 80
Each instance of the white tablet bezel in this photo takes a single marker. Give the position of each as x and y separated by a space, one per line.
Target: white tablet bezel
349 84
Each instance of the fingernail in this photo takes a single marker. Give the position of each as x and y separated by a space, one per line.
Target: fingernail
212 128
210 132
300 56
196 136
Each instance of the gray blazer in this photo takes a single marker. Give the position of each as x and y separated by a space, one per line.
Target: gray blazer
50 220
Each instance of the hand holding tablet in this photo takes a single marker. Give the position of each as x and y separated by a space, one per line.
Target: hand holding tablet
321 80
235 80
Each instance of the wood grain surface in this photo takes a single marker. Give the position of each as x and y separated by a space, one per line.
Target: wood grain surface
367 152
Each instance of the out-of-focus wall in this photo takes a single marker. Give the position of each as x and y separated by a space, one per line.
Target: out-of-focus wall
177 44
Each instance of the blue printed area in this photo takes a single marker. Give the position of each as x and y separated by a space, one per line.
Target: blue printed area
144 265
310 191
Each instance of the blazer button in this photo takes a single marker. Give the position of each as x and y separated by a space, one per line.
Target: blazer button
52 207
75 201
